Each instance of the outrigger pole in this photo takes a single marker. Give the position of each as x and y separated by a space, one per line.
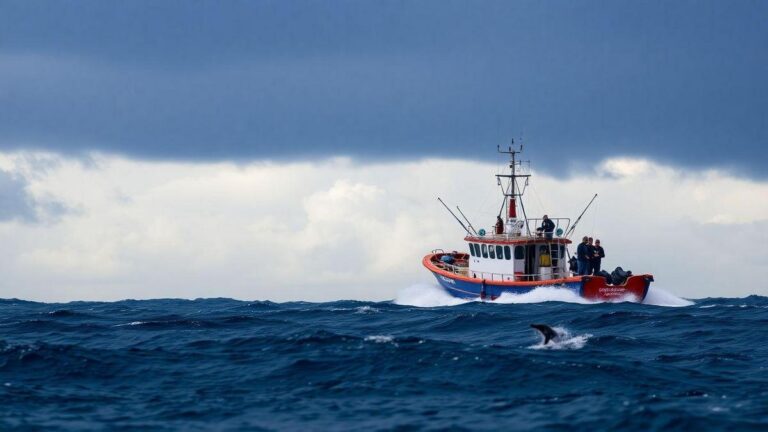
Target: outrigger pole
467 220
454 216
573 227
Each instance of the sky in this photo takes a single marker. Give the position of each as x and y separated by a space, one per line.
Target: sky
293 150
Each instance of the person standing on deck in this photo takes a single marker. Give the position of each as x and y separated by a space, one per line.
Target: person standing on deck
582 257
547 226
597 258
545 259
499 225
591 256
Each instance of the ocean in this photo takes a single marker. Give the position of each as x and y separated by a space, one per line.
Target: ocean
421 362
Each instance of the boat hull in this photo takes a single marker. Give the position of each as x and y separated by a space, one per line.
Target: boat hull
589 287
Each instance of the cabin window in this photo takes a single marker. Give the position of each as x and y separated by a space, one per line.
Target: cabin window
519 253
472 249
491 252
507 253
498 252
485 251
562 250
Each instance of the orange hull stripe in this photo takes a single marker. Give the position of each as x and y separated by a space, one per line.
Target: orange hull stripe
427 262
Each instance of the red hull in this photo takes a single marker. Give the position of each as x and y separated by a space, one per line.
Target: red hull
596 288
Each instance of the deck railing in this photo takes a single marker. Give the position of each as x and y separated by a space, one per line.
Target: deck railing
557 273
533 224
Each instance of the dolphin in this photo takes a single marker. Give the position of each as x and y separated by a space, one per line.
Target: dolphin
545 331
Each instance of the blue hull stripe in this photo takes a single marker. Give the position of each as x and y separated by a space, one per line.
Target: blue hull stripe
471 290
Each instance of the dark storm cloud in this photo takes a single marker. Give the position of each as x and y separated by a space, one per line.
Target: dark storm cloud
680 82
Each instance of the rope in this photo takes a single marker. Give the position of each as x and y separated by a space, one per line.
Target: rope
542 209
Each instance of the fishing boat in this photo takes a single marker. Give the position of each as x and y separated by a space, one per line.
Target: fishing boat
519 255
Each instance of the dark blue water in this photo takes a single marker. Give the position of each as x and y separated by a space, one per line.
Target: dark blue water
230 365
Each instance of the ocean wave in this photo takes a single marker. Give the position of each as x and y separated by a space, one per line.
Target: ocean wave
224 364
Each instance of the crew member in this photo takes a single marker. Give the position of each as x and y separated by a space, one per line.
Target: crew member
591 255
547 226
499 225
582 256
598 257
545 259
573 265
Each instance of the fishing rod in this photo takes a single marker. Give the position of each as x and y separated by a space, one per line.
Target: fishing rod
454 216
466 219
573 227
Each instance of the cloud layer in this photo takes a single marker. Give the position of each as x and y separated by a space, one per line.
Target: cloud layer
337 229
681 82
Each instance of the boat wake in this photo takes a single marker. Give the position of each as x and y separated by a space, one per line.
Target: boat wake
426 295
432 295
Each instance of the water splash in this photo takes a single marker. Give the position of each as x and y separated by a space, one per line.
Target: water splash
543 294
564 341
659 297
426 295
432 295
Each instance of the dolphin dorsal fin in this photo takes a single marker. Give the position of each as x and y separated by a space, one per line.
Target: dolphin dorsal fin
545 331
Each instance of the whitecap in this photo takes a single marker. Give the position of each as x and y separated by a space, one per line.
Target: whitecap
134 323
379 338
366 310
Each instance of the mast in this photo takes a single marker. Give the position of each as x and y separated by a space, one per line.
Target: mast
511 194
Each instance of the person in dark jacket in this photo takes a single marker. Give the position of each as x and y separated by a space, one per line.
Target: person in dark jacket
499 225
582 256
597 257
591 255
547 226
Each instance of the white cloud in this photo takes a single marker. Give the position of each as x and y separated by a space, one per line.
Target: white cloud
336 229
